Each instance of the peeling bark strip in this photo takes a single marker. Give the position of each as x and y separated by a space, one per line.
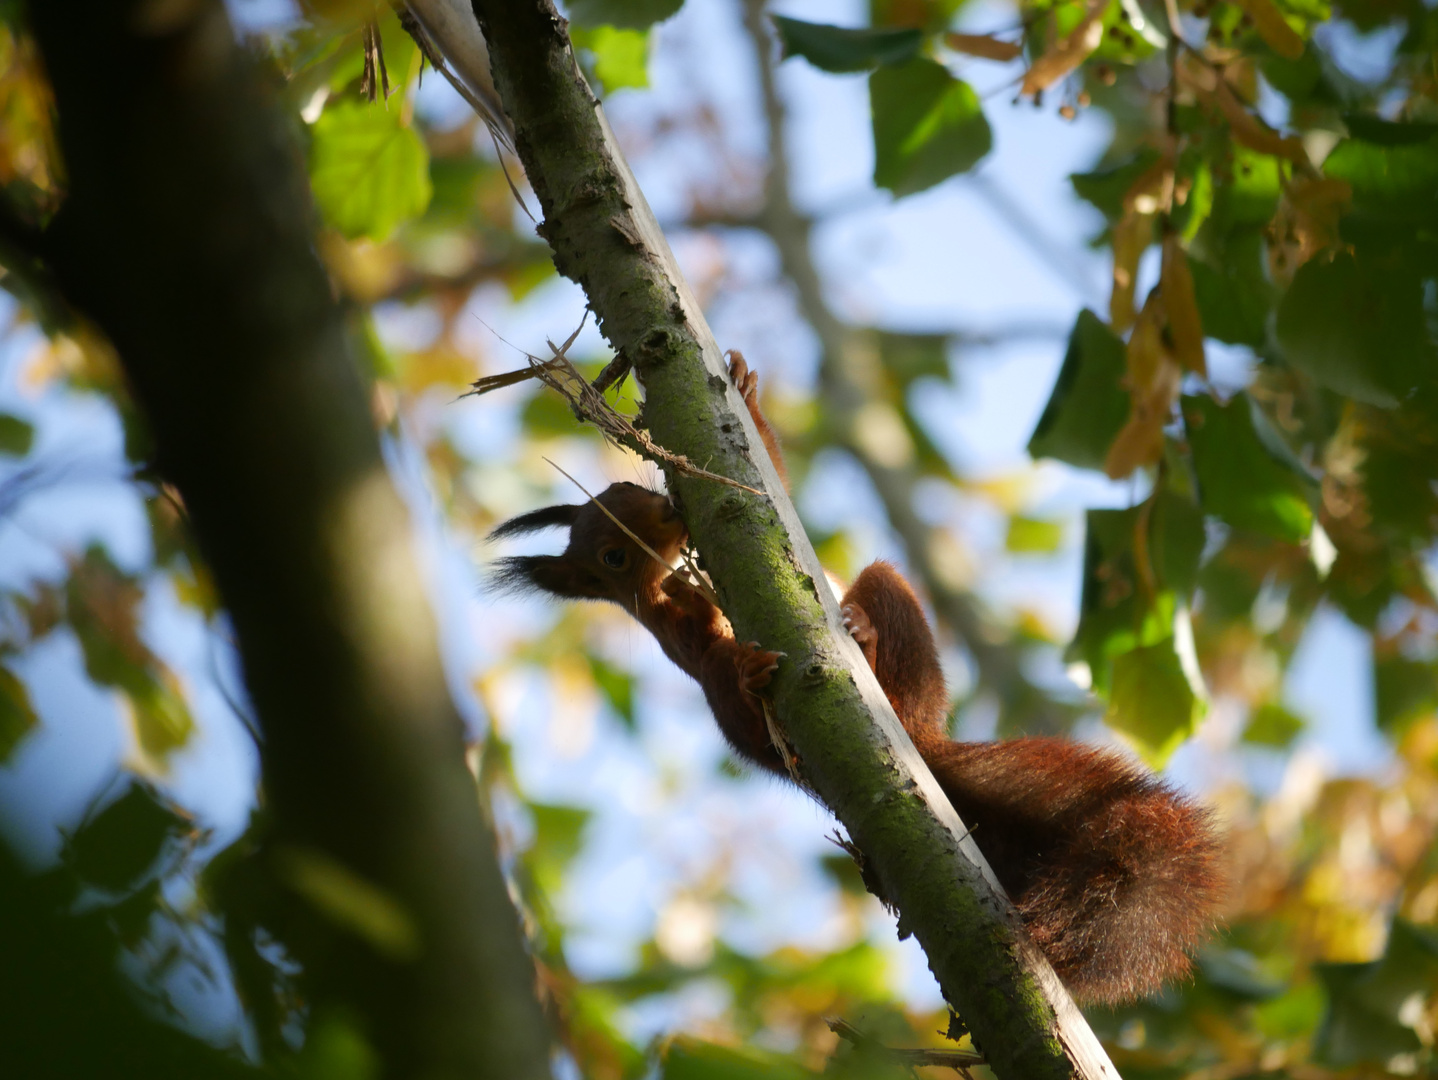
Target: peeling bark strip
852 751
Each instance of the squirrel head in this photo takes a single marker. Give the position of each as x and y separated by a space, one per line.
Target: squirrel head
601 562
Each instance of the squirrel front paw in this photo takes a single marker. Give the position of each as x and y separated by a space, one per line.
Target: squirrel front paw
746 381
756 667
861 629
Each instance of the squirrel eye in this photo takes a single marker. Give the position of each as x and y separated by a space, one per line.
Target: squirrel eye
614 558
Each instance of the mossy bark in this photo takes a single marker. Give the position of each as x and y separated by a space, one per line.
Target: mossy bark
851 749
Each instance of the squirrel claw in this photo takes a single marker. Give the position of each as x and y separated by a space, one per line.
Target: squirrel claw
757 667
856 621
746 381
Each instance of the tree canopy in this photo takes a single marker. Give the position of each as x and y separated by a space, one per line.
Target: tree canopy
1226 483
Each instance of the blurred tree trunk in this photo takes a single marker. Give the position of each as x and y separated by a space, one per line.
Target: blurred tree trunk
187 236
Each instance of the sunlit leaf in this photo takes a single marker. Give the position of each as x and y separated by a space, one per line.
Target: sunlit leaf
839 49
928 126
160 715
1271 26
1031 536
1391 167
1152 701
1272 725
369 171
621 56
1088 405
1243 479
17 714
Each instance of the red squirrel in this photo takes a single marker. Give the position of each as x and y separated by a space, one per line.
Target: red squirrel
1114 873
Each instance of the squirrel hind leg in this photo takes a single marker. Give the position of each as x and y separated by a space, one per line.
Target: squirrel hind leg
746 381
1119 913
887 621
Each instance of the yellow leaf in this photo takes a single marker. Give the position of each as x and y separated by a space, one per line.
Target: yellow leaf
1140 442
1248 130
1271 26
983 45
1153 381
1068 52
1185 327
1131 236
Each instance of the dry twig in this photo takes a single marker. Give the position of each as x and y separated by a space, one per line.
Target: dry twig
958 1060
587 403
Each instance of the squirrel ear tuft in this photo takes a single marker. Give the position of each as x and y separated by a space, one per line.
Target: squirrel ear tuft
544 518
554 574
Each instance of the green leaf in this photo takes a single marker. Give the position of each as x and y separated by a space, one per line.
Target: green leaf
350 901
161 717
1119 609
1106 188
17 715
369 171
126 839
335 1049
1393 169
1176 540
914 356
558 837
1293 1014
1238 972
1088 406
1403 689
1234 295
618 689
689 1059
928 126
1358 327
1152 701
1272 725
1031 536
1243 477
16 435
1189 218
629 14
838 49
1249 194
1371 1014
621 56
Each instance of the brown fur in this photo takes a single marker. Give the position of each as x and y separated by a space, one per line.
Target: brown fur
1115 874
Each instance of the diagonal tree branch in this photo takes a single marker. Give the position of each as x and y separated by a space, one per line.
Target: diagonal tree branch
852 750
